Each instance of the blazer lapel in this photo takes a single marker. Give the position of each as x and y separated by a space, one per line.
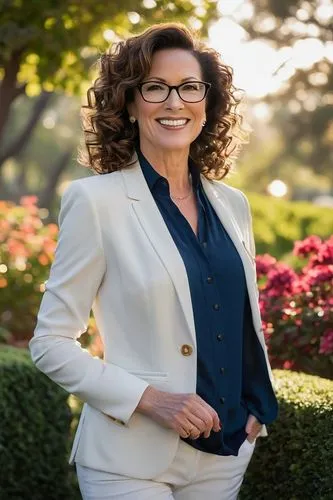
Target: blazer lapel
157 232
224 213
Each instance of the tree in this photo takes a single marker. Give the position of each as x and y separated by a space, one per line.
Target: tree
48 47
303 105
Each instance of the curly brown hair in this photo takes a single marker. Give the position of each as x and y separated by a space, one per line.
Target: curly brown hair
110 138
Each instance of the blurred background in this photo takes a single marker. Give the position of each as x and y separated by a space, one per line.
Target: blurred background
281 52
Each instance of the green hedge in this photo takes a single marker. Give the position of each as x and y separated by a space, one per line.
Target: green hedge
278 223
295 462
34 432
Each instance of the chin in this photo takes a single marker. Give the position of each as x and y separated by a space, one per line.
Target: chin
173 145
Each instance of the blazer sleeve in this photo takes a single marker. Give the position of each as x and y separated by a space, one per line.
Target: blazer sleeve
75 277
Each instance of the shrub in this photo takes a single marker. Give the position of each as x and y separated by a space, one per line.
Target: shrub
34 432
26 252
297 308
278 223
27 248
295 461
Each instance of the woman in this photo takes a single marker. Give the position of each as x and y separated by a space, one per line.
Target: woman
165 256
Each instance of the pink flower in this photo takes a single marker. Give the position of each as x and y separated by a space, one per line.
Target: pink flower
304 248
319 274
264 263
287 365
280 280
326 343
27 201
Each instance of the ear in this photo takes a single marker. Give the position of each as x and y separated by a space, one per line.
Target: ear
131 109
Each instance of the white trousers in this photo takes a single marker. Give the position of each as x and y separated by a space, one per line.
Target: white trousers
193 475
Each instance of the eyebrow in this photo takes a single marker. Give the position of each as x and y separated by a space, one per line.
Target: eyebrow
162 79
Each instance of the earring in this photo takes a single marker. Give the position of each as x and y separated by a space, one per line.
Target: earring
132 119
203 123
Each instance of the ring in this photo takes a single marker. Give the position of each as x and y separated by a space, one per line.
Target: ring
189 432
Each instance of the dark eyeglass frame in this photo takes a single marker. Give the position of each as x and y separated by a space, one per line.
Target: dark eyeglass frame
176 87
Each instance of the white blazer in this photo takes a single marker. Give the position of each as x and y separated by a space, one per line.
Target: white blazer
115 254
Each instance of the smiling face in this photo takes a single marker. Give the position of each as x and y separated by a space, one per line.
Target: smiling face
158 129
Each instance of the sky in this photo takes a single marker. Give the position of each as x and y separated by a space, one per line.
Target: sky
255 62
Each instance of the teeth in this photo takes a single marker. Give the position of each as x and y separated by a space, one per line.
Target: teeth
173 123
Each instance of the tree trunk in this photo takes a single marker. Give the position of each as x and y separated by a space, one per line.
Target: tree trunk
45 198
9 89
19 143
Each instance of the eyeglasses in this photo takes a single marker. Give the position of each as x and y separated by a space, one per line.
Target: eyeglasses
193 91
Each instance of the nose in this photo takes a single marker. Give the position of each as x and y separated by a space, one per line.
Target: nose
174 101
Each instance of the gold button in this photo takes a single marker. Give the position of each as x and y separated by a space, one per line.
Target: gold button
186 350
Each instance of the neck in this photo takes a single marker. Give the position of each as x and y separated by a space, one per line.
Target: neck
173 165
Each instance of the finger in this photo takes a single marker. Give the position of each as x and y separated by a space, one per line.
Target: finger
212 416
252 425
216 424
197 423
202 420
184 430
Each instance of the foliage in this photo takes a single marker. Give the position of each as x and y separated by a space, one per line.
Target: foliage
34 432
35 438
49 47
278 223
297 308
26 252
303 104
295 461
55 39
27 248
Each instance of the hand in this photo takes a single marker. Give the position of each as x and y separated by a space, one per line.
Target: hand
253 427
187 414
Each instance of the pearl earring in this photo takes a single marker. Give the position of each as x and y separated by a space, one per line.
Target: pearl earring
203 123
132 119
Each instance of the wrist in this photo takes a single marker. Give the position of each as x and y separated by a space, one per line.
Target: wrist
145 404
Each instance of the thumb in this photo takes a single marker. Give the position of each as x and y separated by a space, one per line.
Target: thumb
251 422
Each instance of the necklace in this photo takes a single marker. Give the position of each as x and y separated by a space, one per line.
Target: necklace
181 198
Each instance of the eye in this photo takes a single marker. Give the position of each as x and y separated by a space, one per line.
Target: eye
153 86
192 86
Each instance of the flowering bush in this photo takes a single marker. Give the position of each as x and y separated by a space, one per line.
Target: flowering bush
27 248
296 304
297 307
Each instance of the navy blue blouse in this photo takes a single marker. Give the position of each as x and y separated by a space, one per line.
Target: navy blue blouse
232 375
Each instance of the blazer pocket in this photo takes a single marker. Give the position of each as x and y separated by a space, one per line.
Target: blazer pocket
150 376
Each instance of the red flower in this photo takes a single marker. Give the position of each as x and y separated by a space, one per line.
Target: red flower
319 274
264 263
288 364
306 247
326 343
280 280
